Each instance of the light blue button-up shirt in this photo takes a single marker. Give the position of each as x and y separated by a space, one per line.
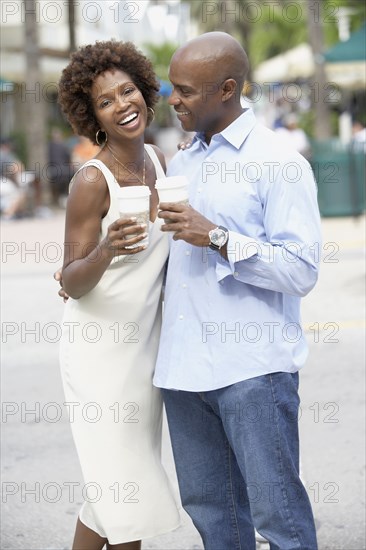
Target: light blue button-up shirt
227 321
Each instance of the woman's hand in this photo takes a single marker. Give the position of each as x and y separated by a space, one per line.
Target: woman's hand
123 233
86 257
183 145
118 237
58 277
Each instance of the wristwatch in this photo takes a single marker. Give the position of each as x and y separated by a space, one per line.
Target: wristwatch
218 237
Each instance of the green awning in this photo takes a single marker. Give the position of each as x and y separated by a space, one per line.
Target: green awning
353 49
6 86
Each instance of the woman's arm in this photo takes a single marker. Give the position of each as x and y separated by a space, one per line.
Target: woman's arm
85 259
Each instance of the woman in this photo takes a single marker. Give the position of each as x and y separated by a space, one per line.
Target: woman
112 321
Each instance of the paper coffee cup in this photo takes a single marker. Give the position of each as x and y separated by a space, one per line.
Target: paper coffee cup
173 189
134 202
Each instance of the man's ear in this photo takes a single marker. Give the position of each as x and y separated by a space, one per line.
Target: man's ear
228 89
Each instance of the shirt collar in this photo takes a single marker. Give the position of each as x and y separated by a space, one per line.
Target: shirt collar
235 134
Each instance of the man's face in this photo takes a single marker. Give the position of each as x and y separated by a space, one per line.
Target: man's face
196 95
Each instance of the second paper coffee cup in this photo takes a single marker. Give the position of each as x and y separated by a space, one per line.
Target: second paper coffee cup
134 201
173 189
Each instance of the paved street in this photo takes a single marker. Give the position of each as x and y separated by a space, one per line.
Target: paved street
41 480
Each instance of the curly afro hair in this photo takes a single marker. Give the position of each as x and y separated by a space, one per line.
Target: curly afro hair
89 62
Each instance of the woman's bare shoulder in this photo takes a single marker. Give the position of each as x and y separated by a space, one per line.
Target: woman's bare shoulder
89 178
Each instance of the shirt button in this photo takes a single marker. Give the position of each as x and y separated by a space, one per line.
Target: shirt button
184 285
236 274
188 252
181 317
199 189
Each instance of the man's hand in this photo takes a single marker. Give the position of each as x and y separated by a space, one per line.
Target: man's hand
58 277
186 223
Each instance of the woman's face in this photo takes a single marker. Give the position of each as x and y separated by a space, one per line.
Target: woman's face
119 105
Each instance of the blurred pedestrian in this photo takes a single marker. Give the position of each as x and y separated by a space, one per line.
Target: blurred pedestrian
83 150
59 166
13 197
11 166
292 136
358 136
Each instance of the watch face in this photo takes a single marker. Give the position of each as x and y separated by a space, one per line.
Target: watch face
218 237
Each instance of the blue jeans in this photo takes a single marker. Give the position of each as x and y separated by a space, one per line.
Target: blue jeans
236 452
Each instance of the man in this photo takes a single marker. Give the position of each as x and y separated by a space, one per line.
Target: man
358 136
293 136
13 198
231 343
60 169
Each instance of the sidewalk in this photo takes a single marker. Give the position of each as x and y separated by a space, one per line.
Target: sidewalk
41 477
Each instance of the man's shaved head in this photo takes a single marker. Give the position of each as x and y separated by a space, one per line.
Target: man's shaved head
207 75
219 53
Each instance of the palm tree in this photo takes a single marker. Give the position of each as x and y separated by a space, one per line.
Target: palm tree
322 129
223 16
71 25
264 30
35 128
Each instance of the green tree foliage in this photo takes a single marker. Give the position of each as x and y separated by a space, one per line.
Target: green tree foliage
331 15
160 55
269 28
278 30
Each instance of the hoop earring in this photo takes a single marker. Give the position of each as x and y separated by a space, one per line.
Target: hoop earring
151 110
97 138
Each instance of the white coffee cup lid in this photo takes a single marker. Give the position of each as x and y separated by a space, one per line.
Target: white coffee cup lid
133 192
171 182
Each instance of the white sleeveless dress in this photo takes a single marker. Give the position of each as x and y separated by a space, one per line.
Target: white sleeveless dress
108 351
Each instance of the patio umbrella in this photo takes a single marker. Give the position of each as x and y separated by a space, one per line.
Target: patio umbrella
346 61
